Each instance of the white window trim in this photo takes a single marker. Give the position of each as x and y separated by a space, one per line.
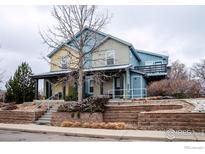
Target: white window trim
106 56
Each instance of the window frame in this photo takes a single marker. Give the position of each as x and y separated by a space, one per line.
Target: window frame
106 57
67 61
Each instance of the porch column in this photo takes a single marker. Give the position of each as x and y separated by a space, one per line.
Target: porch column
36 89
128 83
113 88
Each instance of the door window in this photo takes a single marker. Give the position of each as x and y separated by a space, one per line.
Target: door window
117 82
91 88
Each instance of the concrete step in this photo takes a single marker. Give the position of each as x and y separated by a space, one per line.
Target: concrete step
47 115
45 118
43 123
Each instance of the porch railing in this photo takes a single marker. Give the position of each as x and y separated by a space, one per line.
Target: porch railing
151 69
127 93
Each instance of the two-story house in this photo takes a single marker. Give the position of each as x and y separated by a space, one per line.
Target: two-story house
133 69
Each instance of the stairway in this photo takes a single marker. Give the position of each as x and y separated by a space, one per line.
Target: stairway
46 118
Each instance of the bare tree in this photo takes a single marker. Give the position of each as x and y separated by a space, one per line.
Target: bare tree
198 71
72 20
178 71
1 75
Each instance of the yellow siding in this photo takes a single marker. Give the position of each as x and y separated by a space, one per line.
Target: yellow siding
96 89
58 87
56 58
107 85
121 53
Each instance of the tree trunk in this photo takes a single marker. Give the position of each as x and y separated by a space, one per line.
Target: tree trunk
80 85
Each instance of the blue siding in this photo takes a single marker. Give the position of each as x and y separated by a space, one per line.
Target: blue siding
89 45
91 42
149 57
133 59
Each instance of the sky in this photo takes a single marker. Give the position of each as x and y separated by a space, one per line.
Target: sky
177 31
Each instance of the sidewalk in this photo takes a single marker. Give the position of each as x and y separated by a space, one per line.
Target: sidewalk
107 133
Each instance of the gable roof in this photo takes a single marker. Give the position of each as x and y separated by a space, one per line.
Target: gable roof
69 41
106 37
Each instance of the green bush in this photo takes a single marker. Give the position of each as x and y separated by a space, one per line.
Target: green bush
90 104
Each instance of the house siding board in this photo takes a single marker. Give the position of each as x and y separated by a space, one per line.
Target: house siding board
107 86
55 59
121 50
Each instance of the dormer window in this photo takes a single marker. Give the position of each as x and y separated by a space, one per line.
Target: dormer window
110 57
64 62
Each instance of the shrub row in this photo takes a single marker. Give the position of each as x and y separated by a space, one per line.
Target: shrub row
109 125
90 104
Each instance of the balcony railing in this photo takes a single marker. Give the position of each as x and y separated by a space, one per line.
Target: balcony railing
152 69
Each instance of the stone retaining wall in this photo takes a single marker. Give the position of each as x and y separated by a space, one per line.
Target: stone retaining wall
59 117
177 121
129 114
19 117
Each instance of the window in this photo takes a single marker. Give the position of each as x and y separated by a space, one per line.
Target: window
110 57
64 62
91 88
117 82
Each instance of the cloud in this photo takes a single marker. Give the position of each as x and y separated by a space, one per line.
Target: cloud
176 30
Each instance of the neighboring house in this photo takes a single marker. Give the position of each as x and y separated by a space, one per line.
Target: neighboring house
135 69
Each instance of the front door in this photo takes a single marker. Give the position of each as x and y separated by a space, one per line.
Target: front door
119 87
48 89
136 86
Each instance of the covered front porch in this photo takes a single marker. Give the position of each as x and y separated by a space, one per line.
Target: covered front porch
55 85
123 83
